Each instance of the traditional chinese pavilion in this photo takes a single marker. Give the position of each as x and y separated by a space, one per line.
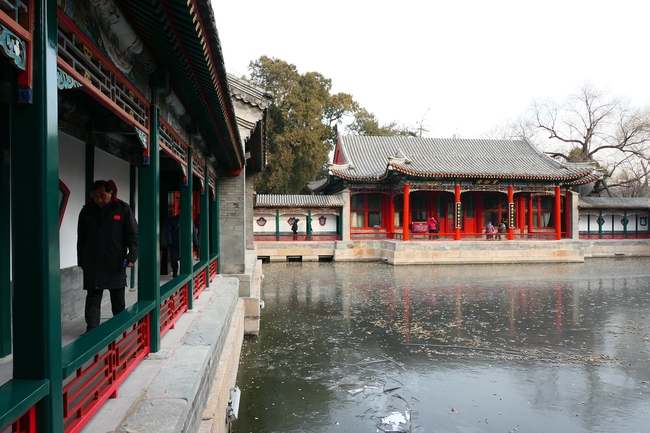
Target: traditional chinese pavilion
396 183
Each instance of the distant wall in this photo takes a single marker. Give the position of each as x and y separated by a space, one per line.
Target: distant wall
453 252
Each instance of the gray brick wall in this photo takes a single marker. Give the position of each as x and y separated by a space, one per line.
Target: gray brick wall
232 229
248 223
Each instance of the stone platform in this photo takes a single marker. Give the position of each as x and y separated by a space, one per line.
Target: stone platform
452 252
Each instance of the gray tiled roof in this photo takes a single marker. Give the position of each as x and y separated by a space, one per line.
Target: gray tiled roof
248 92
295 200
614 203
372 158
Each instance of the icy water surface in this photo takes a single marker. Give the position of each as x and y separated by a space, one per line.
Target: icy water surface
369 347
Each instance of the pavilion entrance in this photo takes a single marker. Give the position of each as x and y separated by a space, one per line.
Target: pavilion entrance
529 215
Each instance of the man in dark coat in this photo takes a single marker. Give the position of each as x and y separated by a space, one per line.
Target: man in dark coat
173 235
107 244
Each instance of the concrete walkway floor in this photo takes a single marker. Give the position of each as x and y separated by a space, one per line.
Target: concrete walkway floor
196 366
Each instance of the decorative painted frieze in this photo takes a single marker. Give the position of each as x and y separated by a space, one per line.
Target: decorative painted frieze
65 81
103 23
13 47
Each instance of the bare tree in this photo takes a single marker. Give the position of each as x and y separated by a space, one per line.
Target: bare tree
592 126
511 129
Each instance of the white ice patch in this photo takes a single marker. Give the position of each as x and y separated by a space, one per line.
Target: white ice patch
394 419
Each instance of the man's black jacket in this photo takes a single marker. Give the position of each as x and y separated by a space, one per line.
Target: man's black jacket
105 237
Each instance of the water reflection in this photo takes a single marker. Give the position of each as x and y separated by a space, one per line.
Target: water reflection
367 347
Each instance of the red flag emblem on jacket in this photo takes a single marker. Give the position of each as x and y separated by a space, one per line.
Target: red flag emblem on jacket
117 217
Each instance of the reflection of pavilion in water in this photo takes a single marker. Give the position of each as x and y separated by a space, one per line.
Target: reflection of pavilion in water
531 313
553 335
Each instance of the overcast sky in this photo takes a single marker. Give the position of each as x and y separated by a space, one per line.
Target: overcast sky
464 66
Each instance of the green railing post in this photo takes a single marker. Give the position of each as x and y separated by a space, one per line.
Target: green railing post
601 221
309 224
214 223
204 224
132 178
186 235
277 224
339 225
204 216
5 235
149 225
34 152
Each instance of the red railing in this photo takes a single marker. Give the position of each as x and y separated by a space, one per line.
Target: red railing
596 236
213 269
86 391
172 308
296 238
25 424
450 236
199 282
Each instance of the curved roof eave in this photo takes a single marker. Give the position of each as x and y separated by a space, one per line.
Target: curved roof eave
577 177
182 36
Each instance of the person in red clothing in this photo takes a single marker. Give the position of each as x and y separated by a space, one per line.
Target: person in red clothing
433 225
107 244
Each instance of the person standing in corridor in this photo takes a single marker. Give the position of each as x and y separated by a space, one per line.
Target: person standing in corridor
173 236
107 244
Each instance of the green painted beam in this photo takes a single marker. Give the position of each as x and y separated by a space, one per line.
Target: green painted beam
18 396
34 151
204 220
149 227
132 204
5 236
186 236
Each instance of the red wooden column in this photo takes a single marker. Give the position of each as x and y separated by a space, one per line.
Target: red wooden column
391 214
521 214
511 209
557 216
407 213
458 211
530 213
568 209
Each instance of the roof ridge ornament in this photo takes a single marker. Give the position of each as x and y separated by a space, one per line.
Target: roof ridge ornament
399 158
345 166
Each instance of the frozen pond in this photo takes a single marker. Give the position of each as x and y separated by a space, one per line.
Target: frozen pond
368 347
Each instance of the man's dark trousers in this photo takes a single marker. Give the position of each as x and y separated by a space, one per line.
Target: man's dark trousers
94 305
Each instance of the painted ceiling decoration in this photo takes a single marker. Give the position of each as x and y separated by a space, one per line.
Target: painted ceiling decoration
122 44
182 36
143 41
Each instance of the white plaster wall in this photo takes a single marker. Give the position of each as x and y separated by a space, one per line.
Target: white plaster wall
286 227
607 226
72 162
108 167
268 228
72 171
330 223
